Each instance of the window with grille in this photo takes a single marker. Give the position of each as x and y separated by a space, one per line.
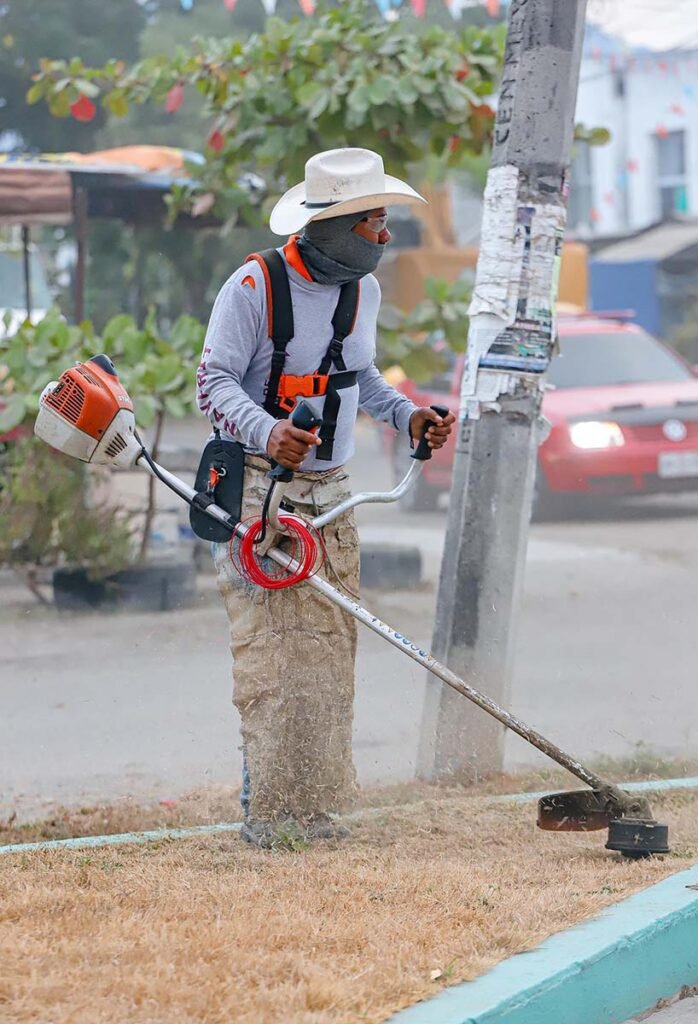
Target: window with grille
671 173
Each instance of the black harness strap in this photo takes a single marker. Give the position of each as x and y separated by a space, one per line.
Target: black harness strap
330 411
342 325
280 317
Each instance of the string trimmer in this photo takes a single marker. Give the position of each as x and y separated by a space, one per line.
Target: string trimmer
89 415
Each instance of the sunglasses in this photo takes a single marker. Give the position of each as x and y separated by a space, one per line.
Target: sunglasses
376 224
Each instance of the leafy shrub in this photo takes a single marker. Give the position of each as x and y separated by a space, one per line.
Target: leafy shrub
47 511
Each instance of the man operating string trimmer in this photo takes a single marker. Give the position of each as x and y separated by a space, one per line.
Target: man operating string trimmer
300 322
294 656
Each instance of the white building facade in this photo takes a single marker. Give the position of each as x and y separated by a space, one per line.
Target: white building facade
649 170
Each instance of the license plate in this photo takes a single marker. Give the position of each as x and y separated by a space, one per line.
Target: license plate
677 464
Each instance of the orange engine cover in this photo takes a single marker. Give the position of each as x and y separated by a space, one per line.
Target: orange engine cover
89 397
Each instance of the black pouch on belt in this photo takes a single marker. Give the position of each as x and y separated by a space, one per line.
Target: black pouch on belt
219 481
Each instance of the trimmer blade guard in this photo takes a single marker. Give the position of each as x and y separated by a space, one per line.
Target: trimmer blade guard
579 810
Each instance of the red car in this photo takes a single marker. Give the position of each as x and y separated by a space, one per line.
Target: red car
623 409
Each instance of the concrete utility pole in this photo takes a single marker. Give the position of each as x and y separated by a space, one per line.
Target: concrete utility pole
510 343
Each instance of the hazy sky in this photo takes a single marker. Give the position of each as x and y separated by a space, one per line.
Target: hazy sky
656 24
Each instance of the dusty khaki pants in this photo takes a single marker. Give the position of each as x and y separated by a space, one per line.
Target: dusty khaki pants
293 663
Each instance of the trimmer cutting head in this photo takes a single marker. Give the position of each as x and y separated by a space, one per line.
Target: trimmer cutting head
637 838
88 414
632 830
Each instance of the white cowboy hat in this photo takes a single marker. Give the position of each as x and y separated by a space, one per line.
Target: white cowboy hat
337 182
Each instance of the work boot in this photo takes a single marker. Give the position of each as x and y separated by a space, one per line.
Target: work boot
321 826
273 835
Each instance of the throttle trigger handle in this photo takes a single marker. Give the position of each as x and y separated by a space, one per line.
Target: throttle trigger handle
304 418
423 452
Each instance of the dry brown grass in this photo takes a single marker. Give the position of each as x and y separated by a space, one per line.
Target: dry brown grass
207 930
222 803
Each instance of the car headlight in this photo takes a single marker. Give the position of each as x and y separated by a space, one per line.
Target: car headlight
596 434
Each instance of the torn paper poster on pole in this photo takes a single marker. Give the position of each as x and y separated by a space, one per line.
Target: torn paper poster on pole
512 318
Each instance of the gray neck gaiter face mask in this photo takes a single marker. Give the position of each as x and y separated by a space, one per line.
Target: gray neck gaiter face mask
334 254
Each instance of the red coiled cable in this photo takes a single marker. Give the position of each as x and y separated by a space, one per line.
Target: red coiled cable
304 544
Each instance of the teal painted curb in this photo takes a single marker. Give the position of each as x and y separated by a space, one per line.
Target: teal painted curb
655 786
181 833
157 835
600 972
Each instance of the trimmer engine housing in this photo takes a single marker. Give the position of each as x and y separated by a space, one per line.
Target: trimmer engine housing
88 414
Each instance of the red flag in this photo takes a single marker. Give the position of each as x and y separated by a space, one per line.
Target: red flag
493 8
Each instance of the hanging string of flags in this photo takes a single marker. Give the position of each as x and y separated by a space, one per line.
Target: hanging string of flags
662 64
388 8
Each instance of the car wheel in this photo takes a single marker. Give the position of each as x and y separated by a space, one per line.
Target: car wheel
421 497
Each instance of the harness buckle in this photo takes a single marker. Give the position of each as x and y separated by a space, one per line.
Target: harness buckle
287 404
335 353
310 385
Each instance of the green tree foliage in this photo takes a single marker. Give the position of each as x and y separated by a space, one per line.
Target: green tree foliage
169 28
419 341
343 77
430 77
57 29
158 372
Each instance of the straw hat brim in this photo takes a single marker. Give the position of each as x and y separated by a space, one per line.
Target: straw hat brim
291 214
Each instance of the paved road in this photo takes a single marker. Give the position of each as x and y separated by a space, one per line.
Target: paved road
99 706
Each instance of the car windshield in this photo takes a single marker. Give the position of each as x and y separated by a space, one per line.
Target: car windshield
607 359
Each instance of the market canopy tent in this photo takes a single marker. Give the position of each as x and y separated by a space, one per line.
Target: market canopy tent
127 184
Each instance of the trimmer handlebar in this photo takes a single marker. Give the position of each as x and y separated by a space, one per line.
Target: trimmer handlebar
304 418
423 452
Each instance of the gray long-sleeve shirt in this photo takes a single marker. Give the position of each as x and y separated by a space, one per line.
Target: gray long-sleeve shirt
236 361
